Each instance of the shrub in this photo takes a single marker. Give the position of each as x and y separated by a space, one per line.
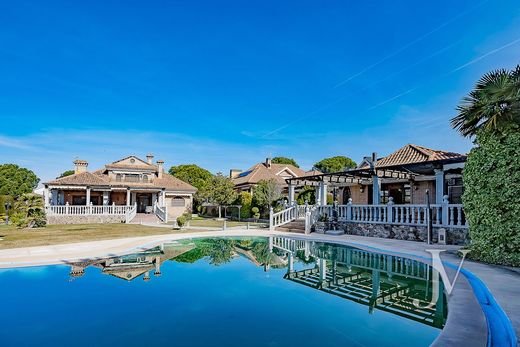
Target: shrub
492 197
29 212
256 212
181 220
245 199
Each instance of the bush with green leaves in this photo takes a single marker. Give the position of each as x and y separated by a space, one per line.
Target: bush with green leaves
492 197
245 200
29 212
256 212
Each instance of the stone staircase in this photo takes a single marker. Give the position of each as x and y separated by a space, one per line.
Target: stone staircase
296 226
145 218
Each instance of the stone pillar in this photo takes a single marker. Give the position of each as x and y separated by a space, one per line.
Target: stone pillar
88 196
106 198
318 194
323 194
128 202
291 194
376 188
46 196
439 185
163 198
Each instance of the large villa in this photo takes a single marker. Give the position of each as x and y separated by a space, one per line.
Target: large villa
117 193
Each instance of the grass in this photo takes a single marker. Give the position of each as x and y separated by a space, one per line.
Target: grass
11 237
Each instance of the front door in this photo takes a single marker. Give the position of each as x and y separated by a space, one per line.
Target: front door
143 200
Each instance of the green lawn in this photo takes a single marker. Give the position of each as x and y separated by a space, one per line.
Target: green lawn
11 237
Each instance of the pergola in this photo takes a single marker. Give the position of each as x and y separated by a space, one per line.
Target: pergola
372 174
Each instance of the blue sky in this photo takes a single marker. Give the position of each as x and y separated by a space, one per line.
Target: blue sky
226 83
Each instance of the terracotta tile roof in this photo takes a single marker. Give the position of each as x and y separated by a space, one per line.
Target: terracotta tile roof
84 178
101 178
414 154
260 172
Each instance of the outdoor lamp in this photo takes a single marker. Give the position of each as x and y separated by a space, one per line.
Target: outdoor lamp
7 206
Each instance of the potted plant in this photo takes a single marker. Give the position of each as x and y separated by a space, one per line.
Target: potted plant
321 224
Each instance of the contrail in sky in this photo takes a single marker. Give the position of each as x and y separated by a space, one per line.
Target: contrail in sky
471 62
409 44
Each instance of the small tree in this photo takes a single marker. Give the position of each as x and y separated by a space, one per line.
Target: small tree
29 211
284 160
335 164
267 192
256 213
220 191
307 194
244 199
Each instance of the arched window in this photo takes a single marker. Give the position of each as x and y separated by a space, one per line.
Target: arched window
145 178
118 177
178 201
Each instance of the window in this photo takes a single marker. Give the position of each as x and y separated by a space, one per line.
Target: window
145 178
118 177
178 201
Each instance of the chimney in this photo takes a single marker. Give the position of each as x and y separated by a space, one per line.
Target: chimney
234 173
160 168
149 158
268 162
80 166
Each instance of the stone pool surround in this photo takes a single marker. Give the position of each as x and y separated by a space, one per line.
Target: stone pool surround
474 316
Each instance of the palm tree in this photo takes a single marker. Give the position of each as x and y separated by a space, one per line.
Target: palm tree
493 105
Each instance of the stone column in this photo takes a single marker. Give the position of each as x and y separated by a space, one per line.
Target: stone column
376 187
439 185
46 196
291 194
163 198
128 203
88 196
318 194
323 194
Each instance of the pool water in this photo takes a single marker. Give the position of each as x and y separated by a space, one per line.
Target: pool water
224 292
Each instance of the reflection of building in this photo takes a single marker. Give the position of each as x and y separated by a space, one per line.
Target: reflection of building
128 267
392 284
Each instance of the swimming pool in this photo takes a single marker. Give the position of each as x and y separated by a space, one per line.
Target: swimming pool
273 291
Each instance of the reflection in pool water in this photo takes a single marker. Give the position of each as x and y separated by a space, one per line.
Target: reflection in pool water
225 292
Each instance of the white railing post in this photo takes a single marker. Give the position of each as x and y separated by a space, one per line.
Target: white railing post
271 221
308 222
390 210
67 207
445 210
349 210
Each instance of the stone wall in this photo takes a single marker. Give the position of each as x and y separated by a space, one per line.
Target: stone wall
454 236
83 219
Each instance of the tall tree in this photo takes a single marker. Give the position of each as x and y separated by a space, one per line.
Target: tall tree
66 173
266 192
192 174
335 164
491 191
284 160
15 180
494 103
220 191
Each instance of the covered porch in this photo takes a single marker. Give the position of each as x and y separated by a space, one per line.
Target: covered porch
90 200
416 194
